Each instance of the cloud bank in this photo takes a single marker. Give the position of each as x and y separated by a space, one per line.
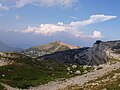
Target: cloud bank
73 28
41 3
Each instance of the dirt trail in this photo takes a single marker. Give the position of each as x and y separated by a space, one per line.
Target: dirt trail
8 87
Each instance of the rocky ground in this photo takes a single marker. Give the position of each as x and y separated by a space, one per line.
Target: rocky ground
78 80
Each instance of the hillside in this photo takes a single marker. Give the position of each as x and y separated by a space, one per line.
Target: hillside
21 71
4 47
48 49
100 53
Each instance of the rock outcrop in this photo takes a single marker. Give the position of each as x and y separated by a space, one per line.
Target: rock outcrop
96 55
7 58
9 55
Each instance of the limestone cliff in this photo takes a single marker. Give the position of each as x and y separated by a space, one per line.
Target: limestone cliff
96 55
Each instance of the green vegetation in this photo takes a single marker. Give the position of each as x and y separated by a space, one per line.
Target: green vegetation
26 75
26 72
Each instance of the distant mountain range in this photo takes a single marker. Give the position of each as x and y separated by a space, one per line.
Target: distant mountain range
48 49
7 48
100 53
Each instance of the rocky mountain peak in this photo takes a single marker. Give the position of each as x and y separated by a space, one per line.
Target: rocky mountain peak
67 45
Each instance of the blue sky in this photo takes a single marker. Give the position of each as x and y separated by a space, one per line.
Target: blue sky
24 23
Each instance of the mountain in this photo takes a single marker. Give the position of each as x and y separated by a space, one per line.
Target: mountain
48 49
100 53
4 47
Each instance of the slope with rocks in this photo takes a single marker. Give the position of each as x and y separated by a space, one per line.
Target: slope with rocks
70 84
48 49
8 58
100 53
21 71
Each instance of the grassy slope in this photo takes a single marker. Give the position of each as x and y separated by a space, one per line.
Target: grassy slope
27 75
26 72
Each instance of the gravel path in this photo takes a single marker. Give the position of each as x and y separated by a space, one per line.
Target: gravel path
80 80
8 87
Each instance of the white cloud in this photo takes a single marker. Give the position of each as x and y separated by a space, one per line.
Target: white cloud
97 34
17 17
60 23
73 17
45 29
21 3
61 3
2 7
72 28
52 29
93 19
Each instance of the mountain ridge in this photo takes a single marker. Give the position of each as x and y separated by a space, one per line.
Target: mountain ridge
100 53
48 48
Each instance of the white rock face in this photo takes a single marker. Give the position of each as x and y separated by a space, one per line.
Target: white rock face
4 62
6 58
100 52
8 55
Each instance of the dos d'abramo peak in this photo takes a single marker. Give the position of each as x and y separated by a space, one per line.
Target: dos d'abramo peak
67 45
48 49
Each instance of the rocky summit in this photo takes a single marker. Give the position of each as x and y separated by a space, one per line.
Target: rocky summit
48 49
100 53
